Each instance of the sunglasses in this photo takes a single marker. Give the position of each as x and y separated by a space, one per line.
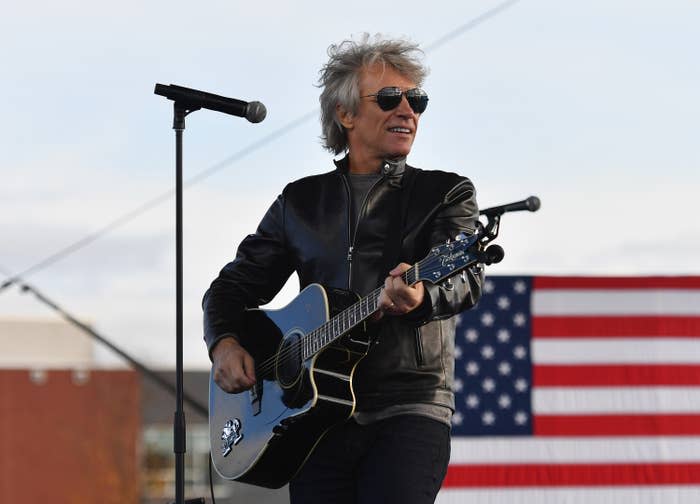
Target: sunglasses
388 98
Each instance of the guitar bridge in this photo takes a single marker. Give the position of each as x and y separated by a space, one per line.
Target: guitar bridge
256 398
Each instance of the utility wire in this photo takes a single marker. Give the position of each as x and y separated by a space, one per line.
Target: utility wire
470 25
278 133
129 216
155 377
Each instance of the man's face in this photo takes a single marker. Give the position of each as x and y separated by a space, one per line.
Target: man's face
375 134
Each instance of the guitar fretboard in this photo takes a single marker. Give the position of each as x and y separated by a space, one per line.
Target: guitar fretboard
350 318
443 262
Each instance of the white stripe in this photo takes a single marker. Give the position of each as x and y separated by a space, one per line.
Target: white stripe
621 495
524 450
616 302
616 350
596 400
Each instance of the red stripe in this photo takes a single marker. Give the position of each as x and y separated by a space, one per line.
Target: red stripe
615 327
606 375
616 425
652 282
548 475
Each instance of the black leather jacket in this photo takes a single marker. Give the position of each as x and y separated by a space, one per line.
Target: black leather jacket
307 230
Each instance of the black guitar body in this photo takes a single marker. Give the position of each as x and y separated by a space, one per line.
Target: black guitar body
263 436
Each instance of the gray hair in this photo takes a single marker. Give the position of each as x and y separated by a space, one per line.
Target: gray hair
340 78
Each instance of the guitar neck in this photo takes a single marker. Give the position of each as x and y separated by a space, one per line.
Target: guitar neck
350 318
442 262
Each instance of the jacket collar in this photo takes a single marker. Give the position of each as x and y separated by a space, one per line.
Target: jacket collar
390 167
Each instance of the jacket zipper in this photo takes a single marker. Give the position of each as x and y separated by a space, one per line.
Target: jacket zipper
351 239
420 359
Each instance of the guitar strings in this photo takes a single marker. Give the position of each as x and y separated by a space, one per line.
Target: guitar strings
410 277
343 318
424 266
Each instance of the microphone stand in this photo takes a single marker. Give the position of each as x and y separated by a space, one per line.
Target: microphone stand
179 424
186 101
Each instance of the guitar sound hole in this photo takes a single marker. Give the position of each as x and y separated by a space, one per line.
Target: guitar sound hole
289 363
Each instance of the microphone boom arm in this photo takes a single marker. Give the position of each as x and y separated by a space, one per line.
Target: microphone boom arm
489 231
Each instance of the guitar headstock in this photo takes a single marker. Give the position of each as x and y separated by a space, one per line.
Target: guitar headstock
448 259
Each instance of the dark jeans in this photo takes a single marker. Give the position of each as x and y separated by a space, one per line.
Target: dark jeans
399 460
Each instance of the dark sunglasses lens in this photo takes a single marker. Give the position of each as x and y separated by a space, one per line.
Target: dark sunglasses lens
389 98
417 99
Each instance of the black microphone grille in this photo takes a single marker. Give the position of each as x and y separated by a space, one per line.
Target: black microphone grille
533 203
255 112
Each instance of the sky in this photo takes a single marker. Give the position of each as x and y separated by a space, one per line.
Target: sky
592 106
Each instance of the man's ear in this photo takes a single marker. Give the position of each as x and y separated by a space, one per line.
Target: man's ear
345 117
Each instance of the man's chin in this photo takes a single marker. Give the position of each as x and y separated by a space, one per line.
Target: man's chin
399 153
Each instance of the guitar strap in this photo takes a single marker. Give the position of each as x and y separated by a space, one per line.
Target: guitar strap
397 221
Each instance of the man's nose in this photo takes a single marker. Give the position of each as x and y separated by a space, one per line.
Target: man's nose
404 108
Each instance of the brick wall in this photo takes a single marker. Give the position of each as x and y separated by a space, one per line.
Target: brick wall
69 436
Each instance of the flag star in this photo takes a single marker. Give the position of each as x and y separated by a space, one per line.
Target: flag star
487 319
503 335
472 368
519 287
521 384
519 352
519 319
457 418
489 385
504 401
488 418
503 303
457 385
458 352
472 401
487 352
489 287
472 335
504 368
520 418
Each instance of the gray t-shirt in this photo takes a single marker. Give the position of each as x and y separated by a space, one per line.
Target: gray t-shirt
360 184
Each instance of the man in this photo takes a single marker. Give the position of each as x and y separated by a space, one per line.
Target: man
353 228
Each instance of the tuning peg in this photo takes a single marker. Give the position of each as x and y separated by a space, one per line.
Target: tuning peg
448 284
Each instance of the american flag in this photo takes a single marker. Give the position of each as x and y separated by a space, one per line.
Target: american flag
578 390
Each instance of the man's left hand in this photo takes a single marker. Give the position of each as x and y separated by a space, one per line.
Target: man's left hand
397 297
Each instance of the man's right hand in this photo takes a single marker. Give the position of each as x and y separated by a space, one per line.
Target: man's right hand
233 366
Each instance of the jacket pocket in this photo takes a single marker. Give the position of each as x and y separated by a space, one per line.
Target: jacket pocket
420 357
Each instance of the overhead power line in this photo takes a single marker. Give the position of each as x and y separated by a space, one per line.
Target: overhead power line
139 366
278 133
470 25
131 215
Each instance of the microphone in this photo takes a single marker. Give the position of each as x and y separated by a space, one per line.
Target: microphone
193 99
532 204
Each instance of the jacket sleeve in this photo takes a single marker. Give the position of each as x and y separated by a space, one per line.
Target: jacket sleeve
260 269
459 213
